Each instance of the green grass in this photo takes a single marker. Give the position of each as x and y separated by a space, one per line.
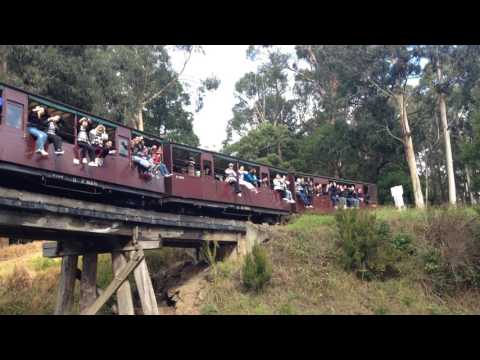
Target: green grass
307 279
310 221
39 263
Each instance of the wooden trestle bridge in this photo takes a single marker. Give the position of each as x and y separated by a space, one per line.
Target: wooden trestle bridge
80 228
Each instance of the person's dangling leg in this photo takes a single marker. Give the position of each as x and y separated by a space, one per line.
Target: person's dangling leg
40 139
163 170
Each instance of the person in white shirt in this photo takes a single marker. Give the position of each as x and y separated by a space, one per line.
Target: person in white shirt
280 185
241 180
288 193
231 178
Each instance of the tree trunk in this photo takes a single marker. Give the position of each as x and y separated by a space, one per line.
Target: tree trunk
3 65
279 151
409 152
452 196
426 181
473 201
139 119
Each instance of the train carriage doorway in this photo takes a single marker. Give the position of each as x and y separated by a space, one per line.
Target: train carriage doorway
13 122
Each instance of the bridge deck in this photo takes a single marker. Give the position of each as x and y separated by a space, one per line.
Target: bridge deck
81 227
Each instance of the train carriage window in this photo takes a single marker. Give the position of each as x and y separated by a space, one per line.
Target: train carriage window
1 106
14 115
186 161
65 127
123 147
220 164
207 168
264 179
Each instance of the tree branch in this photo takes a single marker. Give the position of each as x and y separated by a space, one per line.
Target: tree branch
391 134
387 93
175 78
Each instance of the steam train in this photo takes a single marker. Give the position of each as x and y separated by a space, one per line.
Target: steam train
117 182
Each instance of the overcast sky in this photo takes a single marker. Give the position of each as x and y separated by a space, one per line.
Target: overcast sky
228 63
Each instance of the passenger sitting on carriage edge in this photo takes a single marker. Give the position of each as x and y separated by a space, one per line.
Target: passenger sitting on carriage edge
83 143
280 185
299 188
288 193
52 136
355 200
105 151
231 178
342 196
138 156
36 122
97 136
352 201
252 177
332 190
157 159
309 189
242 181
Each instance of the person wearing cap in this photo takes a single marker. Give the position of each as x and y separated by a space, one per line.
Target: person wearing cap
84 144
231 178
35 126
191 166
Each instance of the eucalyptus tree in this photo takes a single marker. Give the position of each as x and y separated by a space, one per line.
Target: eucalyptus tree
262 103
388 69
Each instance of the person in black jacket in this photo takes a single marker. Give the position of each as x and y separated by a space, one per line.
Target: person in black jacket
332 190
52 136
342 196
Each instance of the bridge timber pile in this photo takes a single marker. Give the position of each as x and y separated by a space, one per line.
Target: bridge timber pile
80 228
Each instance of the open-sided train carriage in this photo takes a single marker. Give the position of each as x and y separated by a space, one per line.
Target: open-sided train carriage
198 189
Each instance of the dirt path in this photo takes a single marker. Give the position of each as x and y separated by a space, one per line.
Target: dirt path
181 288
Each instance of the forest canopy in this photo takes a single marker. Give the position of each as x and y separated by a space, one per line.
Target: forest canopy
386 114
391 115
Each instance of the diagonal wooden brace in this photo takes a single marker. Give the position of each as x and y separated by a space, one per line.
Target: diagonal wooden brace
117 281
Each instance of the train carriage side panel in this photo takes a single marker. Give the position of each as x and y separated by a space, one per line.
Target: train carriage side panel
17 147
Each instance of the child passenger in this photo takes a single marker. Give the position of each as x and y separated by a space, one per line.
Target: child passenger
52 137
84 144
97 137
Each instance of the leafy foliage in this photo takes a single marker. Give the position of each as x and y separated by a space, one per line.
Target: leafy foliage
366 245
452 259
257 270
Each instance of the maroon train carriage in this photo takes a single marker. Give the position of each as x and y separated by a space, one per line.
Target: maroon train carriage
322 202
197 189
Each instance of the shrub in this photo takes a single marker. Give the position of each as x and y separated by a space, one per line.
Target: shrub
40 263
257 270
452 258
366 245
15 251
403 242
209 309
